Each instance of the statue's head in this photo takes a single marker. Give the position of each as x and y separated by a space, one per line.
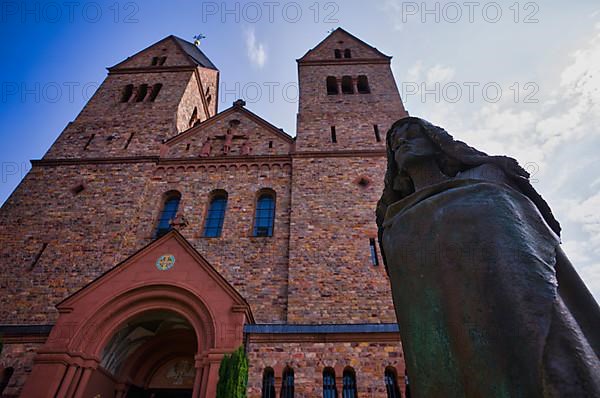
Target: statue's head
410 144
412 139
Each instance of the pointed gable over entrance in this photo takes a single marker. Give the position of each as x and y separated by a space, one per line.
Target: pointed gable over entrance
342 46
167 283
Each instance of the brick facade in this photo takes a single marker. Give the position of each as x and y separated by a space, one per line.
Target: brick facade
96 196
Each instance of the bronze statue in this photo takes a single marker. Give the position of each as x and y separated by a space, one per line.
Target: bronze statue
487 303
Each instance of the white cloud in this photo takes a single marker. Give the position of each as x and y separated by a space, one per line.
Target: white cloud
440 73
557 140
257 52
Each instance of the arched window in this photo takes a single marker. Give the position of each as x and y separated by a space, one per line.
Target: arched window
141 94
349 384
347 87
347 53
127 92
363 85
337 53
268 384
169 211
391 383
287 383
329 389
215 215
155 90
332 87
265 215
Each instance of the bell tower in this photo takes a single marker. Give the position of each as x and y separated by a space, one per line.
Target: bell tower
146 99
348 96
348 101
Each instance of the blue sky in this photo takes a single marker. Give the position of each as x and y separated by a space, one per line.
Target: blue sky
515 78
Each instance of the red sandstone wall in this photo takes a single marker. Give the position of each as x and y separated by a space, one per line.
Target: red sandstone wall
20 356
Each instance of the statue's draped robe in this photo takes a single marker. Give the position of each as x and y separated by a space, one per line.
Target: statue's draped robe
473 267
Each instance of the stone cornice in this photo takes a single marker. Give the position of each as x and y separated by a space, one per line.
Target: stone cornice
350 61
152 69
209 160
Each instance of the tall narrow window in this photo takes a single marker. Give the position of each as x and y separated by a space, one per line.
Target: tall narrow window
347 87
141 94
129 140
329 389
127 92
155 90
363 85
332 87
287 383
349 384
337 53
194 117
169 211
215 215
374 258
154 61
391 384
347 53
161 60
265 215
38 256
89 141
333 135
268 384
377 135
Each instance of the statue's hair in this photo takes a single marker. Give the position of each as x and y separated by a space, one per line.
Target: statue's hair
453 156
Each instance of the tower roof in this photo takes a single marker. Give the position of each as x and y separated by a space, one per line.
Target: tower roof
194 52
192 55
339 34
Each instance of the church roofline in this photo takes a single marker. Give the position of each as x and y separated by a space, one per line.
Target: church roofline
237 106
303 60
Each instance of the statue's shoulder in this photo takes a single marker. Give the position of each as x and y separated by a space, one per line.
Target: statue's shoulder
486 172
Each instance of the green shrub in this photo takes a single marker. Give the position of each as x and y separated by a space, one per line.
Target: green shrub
233 375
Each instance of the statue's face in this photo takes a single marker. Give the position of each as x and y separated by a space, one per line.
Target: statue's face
410 144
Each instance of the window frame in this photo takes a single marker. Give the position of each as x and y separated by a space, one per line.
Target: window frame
329 383
213 196
268 385
166 197
349 372
259 195
392 389
351 90
363 80
329 85
286 389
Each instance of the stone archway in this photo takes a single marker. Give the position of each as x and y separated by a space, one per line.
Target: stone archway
140 327
153 353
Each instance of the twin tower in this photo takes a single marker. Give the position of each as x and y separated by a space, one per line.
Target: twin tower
158 234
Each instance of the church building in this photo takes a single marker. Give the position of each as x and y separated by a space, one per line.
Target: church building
157 235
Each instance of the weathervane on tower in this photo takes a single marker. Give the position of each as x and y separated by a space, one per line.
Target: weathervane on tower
197 39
